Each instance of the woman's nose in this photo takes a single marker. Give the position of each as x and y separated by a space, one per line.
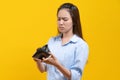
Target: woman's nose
61 22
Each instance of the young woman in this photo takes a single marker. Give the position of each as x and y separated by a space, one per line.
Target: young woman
69 52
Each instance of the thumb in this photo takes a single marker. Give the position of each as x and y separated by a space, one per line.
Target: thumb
52 55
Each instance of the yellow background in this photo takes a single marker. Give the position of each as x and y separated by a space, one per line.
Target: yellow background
28 24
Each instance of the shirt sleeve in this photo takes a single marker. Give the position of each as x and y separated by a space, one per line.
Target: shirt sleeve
81 56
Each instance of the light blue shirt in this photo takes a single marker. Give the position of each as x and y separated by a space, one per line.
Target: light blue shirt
72 55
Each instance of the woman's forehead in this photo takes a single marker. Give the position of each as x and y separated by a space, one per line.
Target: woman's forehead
64 13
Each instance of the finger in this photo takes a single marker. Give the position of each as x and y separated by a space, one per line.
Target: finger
44 59
48 59
35 59
49 56
53 56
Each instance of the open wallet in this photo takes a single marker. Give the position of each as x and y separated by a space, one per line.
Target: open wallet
42 52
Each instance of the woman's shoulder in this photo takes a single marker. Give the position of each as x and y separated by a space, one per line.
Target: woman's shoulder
81 42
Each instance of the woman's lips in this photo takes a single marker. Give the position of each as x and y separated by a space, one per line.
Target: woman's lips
61 27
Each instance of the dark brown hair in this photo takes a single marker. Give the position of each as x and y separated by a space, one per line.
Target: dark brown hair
74 12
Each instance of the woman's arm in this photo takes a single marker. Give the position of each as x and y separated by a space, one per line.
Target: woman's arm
64 70
40 65
53 61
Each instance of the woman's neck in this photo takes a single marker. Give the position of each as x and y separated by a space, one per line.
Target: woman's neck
66 38
67 35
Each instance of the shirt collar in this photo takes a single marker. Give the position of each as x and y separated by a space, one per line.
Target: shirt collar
74 39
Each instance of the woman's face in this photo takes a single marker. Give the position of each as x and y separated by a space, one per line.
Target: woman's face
65 24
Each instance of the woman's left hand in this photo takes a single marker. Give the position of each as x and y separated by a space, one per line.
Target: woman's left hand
51 60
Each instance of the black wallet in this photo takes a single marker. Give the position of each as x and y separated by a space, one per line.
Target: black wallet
42 52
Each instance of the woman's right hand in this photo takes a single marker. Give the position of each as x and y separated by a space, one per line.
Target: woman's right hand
37 60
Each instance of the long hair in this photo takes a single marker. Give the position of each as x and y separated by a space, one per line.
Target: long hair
74 13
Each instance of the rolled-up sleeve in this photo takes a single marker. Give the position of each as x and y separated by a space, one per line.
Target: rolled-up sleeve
81 56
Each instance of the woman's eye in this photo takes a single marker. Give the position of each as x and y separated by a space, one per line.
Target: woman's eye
58 19
65 19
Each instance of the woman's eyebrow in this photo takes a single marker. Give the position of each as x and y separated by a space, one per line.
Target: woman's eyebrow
62 17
